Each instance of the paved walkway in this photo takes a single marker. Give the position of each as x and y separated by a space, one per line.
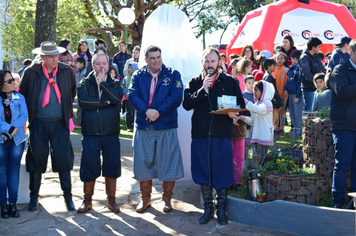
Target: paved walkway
53 219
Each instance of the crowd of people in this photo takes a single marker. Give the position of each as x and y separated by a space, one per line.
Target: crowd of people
303 81
264 86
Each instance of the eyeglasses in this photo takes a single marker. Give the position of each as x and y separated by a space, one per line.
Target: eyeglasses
10 81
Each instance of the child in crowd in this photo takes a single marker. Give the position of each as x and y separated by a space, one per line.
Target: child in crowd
238 149
259 61
319 84
280 75
294 91
223 62
231 58
248 94
324 98
270 66
233 66
244 68
16 77
261 118
256 53
113 73
130 111
80 65
17 80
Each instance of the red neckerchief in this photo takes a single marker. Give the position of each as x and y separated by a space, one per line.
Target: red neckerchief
215 76
47 91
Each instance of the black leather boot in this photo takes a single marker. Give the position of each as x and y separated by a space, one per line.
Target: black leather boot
221 206
14 213
207 193
66 185
4 211
35 184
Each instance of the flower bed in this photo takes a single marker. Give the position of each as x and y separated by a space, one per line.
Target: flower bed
286 177
286 161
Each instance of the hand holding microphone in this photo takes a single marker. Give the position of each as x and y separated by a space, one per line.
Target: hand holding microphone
208 80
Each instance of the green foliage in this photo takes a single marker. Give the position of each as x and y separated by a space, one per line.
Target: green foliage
19 25
18 29
351 5
326 201
286 161
323 112
72 21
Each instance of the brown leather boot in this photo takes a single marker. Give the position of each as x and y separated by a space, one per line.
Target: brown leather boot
88 193
110 185
146 190
167 188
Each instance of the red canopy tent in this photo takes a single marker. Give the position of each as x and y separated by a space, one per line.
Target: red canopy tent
264 27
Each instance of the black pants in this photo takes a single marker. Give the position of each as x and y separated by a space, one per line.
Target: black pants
48 137
91 166
130 112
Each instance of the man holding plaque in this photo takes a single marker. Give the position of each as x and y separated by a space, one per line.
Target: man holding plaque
211 149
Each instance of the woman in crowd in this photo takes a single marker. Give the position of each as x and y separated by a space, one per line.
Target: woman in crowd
82 51
247 52
13 116
288 47
66 57
243 69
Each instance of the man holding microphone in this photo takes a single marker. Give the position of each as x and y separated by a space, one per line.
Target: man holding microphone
211 148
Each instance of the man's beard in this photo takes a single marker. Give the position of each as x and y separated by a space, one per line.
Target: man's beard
212 68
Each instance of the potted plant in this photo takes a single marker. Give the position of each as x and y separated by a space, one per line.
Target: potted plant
260 196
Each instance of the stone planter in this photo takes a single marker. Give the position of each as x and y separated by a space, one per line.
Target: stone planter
318 148
308 189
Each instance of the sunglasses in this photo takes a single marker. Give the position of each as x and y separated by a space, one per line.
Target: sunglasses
10 81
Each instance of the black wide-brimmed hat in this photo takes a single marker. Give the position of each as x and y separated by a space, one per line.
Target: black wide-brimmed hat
48 48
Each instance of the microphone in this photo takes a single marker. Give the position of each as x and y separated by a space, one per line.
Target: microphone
210 73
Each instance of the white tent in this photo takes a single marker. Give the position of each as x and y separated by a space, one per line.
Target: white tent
169 28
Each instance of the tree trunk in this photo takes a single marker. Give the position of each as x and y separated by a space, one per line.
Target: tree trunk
45 25
204 46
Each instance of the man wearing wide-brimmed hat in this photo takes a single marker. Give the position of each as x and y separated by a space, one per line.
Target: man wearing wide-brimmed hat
49 88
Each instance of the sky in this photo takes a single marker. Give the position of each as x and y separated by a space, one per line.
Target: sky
214 38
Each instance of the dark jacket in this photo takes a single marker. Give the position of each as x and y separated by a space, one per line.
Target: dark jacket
120 59
166 99
338 57
309 66
196 99
293 85
99 118
343 97
31 83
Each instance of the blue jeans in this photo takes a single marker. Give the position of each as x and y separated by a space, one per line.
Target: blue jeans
10 159
345 157
308 100
296 112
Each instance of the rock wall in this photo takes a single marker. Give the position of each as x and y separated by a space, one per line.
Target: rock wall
318 146
307 189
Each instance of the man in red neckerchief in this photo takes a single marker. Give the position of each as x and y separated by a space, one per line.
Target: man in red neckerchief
49 88
211 148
